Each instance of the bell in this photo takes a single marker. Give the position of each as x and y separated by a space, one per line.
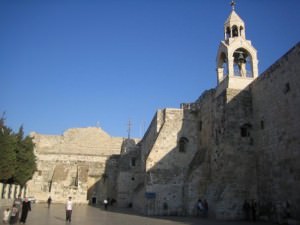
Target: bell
241 58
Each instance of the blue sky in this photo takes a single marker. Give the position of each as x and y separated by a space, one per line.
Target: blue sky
67 64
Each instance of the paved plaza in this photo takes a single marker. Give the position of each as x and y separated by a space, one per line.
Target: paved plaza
87 215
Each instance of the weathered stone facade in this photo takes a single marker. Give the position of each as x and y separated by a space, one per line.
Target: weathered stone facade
73 164
238 141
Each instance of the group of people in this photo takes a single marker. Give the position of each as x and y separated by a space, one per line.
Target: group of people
202 208
107 202
18 212
277 212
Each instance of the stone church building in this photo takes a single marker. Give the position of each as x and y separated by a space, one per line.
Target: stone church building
239 141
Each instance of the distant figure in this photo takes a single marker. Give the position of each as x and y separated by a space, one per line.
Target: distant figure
49 201
205 208
279 209
200 207
18 203
246 209
26 207
69 208
14 215
113 201
105 202
287 210
253 208
6 213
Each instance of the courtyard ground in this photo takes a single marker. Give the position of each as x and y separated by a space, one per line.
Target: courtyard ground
87 215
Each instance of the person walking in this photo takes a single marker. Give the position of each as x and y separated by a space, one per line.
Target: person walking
14 214
6 214
69 208
246 209
200 207
205 208
49 200
18 203
253 208
105 202
26 207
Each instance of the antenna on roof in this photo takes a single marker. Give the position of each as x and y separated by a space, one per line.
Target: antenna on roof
129 128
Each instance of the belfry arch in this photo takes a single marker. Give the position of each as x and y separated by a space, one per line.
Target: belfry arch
223 65
242 63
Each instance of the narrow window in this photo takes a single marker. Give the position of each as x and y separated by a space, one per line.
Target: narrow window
133 162
245 130
200 125
286 88
216 137
235 32
227 33
182 144
241 30
262 124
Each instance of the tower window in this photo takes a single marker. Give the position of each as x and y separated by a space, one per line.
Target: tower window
242 63
235 31
183 144
245 130
200 125
241 30
133 162
227 33
262 124
287 88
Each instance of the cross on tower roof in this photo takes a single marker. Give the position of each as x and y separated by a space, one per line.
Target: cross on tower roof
232 4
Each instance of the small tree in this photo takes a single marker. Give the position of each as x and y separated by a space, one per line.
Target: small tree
17 159
8 143
25 163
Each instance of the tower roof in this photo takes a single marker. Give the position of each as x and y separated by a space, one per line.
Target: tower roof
234 19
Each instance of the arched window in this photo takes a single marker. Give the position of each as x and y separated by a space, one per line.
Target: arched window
242 63
133 162
245 130
222 66
183 144
241 30
235 31
227 35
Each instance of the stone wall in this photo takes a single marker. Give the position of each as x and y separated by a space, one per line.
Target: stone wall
244 146
249 144
130 176
276 125
199 172
165 165
73 165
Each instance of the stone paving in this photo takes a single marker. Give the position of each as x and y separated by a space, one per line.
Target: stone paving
87 215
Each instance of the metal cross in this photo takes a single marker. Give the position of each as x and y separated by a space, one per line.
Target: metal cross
232 4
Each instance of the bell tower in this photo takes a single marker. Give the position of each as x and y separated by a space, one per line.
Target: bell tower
237 64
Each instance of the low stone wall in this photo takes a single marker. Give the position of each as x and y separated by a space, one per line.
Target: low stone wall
8 192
